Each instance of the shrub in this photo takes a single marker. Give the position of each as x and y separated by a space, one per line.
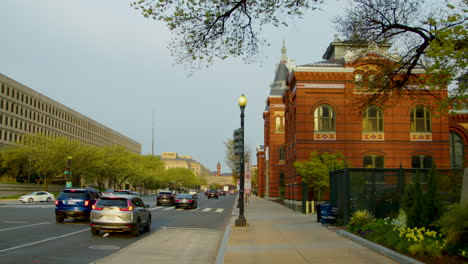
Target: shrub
454 225
360 220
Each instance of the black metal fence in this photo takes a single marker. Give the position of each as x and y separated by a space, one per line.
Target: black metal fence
380 191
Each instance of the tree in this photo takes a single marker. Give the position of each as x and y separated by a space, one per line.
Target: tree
433 38
315 171
209 30
429 36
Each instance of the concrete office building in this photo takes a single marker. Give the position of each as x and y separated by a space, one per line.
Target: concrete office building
24 111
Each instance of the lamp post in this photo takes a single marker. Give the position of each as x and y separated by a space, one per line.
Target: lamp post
241 221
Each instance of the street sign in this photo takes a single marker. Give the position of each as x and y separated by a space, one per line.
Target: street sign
68 184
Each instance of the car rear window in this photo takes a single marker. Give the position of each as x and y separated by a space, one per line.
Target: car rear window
122 192
165 193
112 202
80 194
189 196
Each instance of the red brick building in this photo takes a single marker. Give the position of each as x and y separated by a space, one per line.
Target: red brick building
320 115
270 156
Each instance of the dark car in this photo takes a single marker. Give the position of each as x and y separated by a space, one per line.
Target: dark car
120 213
165 198
213 194
185 200
75 203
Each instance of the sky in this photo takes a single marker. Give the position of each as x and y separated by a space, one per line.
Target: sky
106 61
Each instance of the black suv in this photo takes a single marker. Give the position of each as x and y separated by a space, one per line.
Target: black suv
75 203
213 194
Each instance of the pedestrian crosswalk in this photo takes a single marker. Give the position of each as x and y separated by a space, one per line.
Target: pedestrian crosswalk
205 210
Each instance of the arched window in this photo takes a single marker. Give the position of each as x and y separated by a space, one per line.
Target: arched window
358 83
420 119
372 120
421 162
373 161
371 82
457 147
279 124
324 118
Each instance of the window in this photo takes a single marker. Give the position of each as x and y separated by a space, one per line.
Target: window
372 120
421 162
371 82
456 150
373 161
324 118
281 153
358 84
420 119
279 124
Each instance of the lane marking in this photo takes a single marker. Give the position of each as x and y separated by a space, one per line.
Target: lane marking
170 208
16 227
42 241
219 210
188 228
14 222
206 209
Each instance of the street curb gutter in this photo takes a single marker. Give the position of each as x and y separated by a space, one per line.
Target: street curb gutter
224 242
379 249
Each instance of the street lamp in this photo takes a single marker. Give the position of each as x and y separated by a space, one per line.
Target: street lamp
241 221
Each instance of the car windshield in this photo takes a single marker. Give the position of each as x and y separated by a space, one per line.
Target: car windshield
213 191
81 194
184 196
112 202
33 193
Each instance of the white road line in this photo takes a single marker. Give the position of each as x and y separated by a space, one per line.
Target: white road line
16 227
170 208
206 210
14 222
42 241
219 210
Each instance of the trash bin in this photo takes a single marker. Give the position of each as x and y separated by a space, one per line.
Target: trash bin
326 214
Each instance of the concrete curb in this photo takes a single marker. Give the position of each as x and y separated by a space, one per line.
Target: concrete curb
379 249
225 240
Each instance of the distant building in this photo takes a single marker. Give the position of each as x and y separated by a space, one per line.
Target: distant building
24 111
173 160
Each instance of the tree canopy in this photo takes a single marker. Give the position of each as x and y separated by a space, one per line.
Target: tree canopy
216 29
429 35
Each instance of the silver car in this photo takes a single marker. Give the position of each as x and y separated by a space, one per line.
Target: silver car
120 213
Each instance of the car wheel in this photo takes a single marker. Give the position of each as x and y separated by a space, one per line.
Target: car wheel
136 229
30 200
147 227
59 218
48 199
94 231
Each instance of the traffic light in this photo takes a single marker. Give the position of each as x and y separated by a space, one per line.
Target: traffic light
238 145
238 168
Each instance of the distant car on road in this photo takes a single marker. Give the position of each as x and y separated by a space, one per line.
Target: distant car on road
36 197
120 213
165 198
185 200
75 203
122 192
232 192
213 194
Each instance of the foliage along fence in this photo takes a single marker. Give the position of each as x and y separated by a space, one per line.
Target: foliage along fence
381 191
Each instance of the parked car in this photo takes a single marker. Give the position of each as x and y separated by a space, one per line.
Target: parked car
120 213
232 192
222 192
165 198
213 194
185 200
37 197
75 203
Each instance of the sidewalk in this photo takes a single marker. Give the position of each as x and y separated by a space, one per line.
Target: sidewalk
275 234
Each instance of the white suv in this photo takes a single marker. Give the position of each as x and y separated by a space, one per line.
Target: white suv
119 213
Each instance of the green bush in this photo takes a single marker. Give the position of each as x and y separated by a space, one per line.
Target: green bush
454 225
360 219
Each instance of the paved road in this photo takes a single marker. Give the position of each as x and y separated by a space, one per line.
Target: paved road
31 235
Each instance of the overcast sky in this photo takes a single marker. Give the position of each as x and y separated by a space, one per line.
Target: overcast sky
106 61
